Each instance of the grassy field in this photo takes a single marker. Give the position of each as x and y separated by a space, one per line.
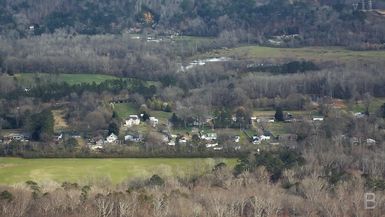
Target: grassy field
162 116
271 113
125 109
374 106
17 170
192 41
68 78
308 53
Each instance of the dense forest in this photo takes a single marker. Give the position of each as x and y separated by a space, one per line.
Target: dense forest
317 22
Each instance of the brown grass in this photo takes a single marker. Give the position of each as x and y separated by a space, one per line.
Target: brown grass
60 122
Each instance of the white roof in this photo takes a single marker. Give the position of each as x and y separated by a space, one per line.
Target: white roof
113 136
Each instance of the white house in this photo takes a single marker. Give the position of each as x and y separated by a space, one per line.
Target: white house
171 143
209 136
264 138
211 145
370 141
112 138
359 115
154 121
132 121
183 140
318 118
265 120
132 138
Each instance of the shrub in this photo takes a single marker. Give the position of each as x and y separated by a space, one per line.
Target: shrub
6 195
155 180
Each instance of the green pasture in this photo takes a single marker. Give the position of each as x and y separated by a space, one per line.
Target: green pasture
17 170
125 109
360 106
59 78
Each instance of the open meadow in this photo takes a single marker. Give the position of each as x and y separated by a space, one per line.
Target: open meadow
71 79
307 53
17 170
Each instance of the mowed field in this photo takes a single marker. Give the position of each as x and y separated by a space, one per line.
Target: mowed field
71 79
308 53
17 170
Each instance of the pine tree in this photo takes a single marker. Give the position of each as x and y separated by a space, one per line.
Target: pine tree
113 128
279 114
382 111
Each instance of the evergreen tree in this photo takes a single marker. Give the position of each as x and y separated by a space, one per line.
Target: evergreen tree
279 114
175 120
41 125
113 128
145 116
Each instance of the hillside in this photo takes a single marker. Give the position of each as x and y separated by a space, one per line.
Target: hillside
209 108
316 22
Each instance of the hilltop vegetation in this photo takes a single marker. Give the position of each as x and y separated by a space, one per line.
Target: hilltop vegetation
317 22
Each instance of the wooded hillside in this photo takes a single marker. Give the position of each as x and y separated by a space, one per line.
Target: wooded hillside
317 22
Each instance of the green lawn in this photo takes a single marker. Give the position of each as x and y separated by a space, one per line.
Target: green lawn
278 128
68 78
17 170
308 53
125 109
195 41
374 106
271 113
162 116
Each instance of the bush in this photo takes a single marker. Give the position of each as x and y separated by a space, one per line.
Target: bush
6 195
155 180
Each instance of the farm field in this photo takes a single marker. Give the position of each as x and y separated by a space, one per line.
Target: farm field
374 105
162 116
71 79
123 110
193 42
270 113
308 53
17 170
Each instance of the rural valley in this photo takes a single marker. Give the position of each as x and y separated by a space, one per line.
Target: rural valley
187 108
